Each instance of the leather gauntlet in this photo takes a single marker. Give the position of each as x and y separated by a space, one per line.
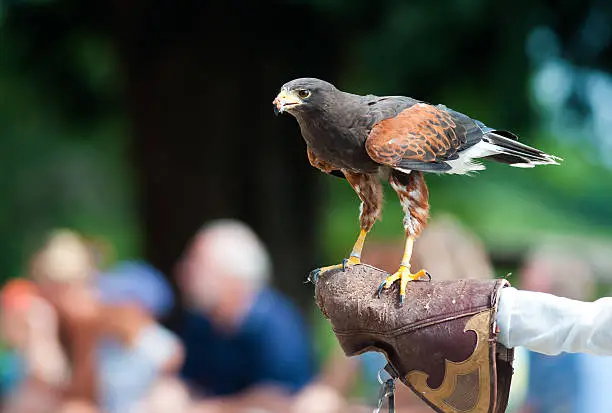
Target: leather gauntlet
441 343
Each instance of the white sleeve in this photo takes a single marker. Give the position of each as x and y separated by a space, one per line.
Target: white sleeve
550 325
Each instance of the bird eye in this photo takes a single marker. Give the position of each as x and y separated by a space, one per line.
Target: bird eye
303 93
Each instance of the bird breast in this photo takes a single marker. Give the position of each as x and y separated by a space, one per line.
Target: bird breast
343 147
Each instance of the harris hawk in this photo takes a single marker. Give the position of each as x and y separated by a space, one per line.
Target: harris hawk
364 138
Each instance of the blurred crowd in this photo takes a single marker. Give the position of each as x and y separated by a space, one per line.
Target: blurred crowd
83 336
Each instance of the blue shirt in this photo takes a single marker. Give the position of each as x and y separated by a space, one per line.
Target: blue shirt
271 346
126 374
554 383
596 375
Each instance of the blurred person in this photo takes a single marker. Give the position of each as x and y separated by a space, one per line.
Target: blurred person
168 394
147 371
447 247
136 281
246 344
595 396
556 270
39 367
567 382
119 353
330 390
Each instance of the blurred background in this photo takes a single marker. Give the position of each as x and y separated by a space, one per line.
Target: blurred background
134 123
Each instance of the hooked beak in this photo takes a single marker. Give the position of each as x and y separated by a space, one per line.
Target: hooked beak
285 101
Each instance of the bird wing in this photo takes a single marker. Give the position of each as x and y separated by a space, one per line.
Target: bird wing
422 137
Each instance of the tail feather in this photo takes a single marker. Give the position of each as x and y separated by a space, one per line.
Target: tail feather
515 153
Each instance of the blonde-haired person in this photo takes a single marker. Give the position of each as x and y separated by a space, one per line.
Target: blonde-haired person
117 350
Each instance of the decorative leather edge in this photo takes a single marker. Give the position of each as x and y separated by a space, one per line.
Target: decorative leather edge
489 382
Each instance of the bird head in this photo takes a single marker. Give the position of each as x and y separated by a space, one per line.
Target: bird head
301 94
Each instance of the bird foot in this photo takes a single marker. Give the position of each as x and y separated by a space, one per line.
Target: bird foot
314 275
404 276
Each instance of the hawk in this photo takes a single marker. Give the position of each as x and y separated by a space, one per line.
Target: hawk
363 138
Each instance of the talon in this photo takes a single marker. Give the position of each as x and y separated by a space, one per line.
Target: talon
313 276
404 275
381 287
346 263
349 262
420 275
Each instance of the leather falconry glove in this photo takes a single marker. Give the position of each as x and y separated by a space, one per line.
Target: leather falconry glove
441 343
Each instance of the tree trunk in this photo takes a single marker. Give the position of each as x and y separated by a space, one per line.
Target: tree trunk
200 80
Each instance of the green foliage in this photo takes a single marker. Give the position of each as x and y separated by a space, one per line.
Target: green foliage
65 127
472 57
62 163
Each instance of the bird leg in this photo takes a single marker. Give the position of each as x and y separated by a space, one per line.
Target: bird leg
414 198
403 274
369 190
353 259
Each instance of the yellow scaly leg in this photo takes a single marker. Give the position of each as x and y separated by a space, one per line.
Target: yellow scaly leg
403 274
355 258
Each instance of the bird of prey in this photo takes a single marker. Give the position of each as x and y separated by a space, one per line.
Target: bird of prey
363 138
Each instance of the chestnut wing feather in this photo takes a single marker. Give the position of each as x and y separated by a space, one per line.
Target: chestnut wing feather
421 137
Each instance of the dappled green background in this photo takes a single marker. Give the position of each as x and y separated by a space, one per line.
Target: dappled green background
137 121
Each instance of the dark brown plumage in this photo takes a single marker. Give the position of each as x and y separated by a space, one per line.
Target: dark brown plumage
363 137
